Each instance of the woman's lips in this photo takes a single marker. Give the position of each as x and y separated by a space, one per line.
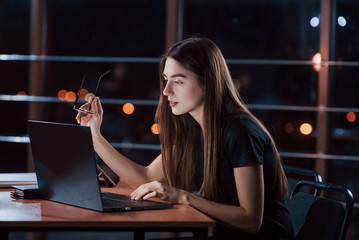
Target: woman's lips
172 104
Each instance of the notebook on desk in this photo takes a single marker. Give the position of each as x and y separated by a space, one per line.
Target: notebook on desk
9 179
65 165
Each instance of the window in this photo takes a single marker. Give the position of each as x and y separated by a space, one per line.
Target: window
269 47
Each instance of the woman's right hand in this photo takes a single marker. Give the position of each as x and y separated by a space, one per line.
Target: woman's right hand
93 120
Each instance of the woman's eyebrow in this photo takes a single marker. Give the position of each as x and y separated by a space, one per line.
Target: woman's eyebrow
175 75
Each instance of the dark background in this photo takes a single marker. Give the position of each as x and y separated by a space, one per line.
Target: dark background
271 30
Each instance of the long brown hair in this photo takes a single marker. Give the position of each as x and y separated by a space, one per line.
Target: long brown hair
178 133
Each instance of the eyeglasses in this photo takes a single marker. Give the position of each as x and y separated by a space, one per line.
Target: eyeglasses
88 95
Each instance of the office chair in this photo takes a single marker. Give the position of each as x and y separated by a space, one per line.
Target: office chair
296 174
318 218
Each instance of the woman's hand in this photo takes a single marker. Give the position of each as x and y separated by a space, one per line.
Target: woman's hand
94 119
160 190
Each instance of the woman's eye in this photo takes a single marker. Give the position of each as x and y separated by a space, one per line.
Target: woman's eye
178 82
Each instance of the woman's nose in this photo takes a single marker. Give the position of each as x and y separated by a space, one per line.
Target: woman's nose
167 91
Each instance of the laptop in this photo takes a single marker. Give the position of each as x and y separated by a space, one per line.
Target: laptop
110 178
66 169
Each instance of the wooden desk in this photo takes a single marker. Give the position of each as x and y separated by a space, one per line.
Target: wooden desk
42 215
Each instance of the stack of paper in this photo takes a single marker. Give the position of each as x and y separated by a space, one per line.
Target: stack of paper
9 179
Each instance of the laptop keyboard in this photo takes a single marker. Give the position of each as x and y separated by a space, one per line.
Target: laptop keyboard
112 203
113 200
125 203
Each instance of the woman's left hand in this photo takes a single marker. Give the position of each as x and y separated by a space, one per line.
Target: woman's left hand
160 190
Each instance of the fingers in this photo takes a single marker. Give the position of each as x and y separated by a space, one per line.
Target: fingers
86 105
78 117
143 190
85 120
148 190
99 106
149 195
81 116
140 192
96 106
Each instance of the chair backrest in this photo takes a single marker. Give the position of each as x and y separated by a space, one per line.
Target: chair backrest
318 218
296 174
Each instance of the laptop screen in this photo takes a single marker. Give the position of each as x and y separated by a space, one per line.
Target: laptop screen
65 163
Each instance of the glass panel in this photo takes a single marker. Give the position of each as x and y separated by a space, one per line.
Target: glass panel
14 77
345 173
108 28
347 31
14 26
136 127
344 133
276 84
14 122
306 163
285 126
256 29
344 140
344 87
117 126
126 80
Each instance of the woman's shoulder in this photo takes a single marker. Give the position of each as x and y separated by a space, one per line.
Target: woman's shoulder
237 123
244 141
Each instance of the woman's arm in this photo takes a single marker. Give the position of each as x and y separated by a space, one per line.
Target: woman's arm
250 188
131 172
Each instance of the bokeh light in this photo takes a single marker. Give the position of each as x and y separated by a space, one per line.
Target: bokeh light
70 96
317 60
61 94
314 22
306 129
351 117
21 93
128 108
342 21
155 128
82 93
88 96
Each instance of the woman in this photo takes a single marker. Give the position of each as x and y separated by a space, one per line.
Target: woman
210 143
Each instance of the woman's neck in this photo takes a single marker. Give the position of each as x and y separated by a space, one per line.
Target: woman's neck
198 116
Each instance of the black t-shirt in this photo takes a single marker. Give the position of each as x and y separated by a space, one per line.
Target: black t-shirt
245 143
